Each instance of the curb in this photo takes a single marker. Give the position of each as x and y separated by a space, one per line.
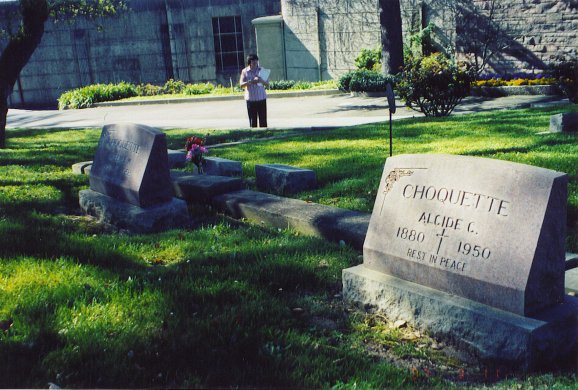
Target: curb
270 95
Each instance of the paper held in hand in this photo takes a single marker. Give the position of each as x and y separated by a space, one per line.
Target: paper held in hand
264 73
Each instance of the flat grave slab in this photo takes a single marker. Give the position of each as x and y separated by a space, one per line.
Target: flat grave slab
223 167
176 158
80 168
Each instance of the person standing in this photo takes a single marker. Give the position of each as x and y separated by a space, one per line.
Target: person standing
255 94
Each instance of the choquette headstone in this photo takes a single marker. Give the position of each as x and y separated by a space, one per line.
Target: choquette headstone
472 251
131 165
487 230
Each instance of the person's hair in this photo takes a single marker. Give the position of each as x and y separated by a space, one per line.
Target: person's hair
252 57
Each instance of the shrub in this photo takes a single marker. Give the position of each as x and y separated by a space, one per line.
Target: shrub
566 73
86 96
172 87
344 81
281 85
198 89
435 84
369 81
418 43
149 90
300 85
369 59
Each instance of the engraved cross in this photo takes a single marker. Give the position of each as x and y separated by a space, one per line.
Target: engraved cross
441 236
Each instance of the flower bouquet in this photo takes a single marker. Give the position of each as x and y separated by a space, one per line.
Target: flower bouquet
196 152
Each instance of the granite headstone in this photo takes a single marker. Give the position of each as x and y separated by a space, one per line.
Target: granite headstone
487 230
131 165
564 123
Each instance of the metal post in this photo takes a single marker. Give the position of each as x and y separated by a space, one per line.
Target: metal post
390 136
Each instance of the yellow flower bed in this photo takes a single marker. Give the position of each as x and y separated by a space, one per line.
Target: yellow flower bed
514 82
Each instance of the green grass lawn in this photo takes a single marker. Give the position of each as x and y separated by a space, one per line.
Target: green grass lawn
225 303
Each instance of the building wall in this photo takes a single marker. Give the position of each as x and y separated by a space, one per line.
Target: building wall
162 39
323 37
531 33
155 41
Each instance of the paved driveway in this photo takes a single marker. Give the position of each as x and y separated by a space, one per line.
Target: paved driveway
283 112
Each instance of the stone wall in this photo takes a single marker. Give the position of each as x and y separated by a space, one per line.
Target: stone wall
155 41
531 33
521 35
325 36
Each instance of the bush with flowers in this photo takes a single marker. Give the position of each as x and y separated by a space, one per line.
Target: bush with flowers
435 84
196 152
513 80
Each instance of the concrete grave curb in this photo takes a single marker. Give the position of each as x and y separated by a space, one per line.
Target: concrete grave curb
312 219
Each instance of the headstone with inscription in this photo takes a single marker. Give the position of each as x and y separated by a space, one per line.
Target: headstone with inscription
131 164
458 239
130 184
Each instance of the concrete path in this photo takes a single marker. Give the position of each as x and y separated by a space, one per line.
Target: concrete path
305 110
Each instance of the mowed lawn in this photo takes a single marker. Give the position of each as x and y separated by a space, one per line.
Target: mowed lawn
226 303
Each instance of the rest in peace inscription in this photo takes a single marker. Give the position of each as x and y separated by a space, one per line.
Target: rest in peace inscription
438 237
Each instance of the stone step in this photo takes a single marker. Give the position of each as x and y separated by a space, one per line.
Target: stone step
202 188
330 223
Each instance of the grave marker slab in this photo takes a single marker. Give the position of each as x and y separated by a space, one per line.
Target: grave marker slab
131 165
564 123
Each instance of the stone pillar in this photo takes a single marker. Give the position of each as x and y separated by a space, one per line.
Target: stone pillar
269 31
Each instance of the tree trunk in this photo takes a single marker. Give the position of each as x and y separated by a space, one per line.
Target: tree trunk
19 50
3 116
391 36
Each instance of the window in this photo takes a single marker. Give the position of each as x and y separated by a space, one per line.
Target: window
228 38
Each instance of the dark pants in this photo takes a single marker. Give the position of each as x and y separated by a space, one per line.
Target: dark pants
257 109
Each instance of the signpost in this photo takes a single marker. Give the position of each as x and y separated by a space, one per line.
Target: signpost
391 103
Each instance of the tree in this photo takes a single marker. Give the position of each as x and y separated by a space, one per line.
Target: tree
26 36
391 35
481 34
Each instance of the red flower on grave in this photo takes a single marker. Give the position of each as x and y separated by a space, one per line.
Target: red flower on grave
193 141
196 151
